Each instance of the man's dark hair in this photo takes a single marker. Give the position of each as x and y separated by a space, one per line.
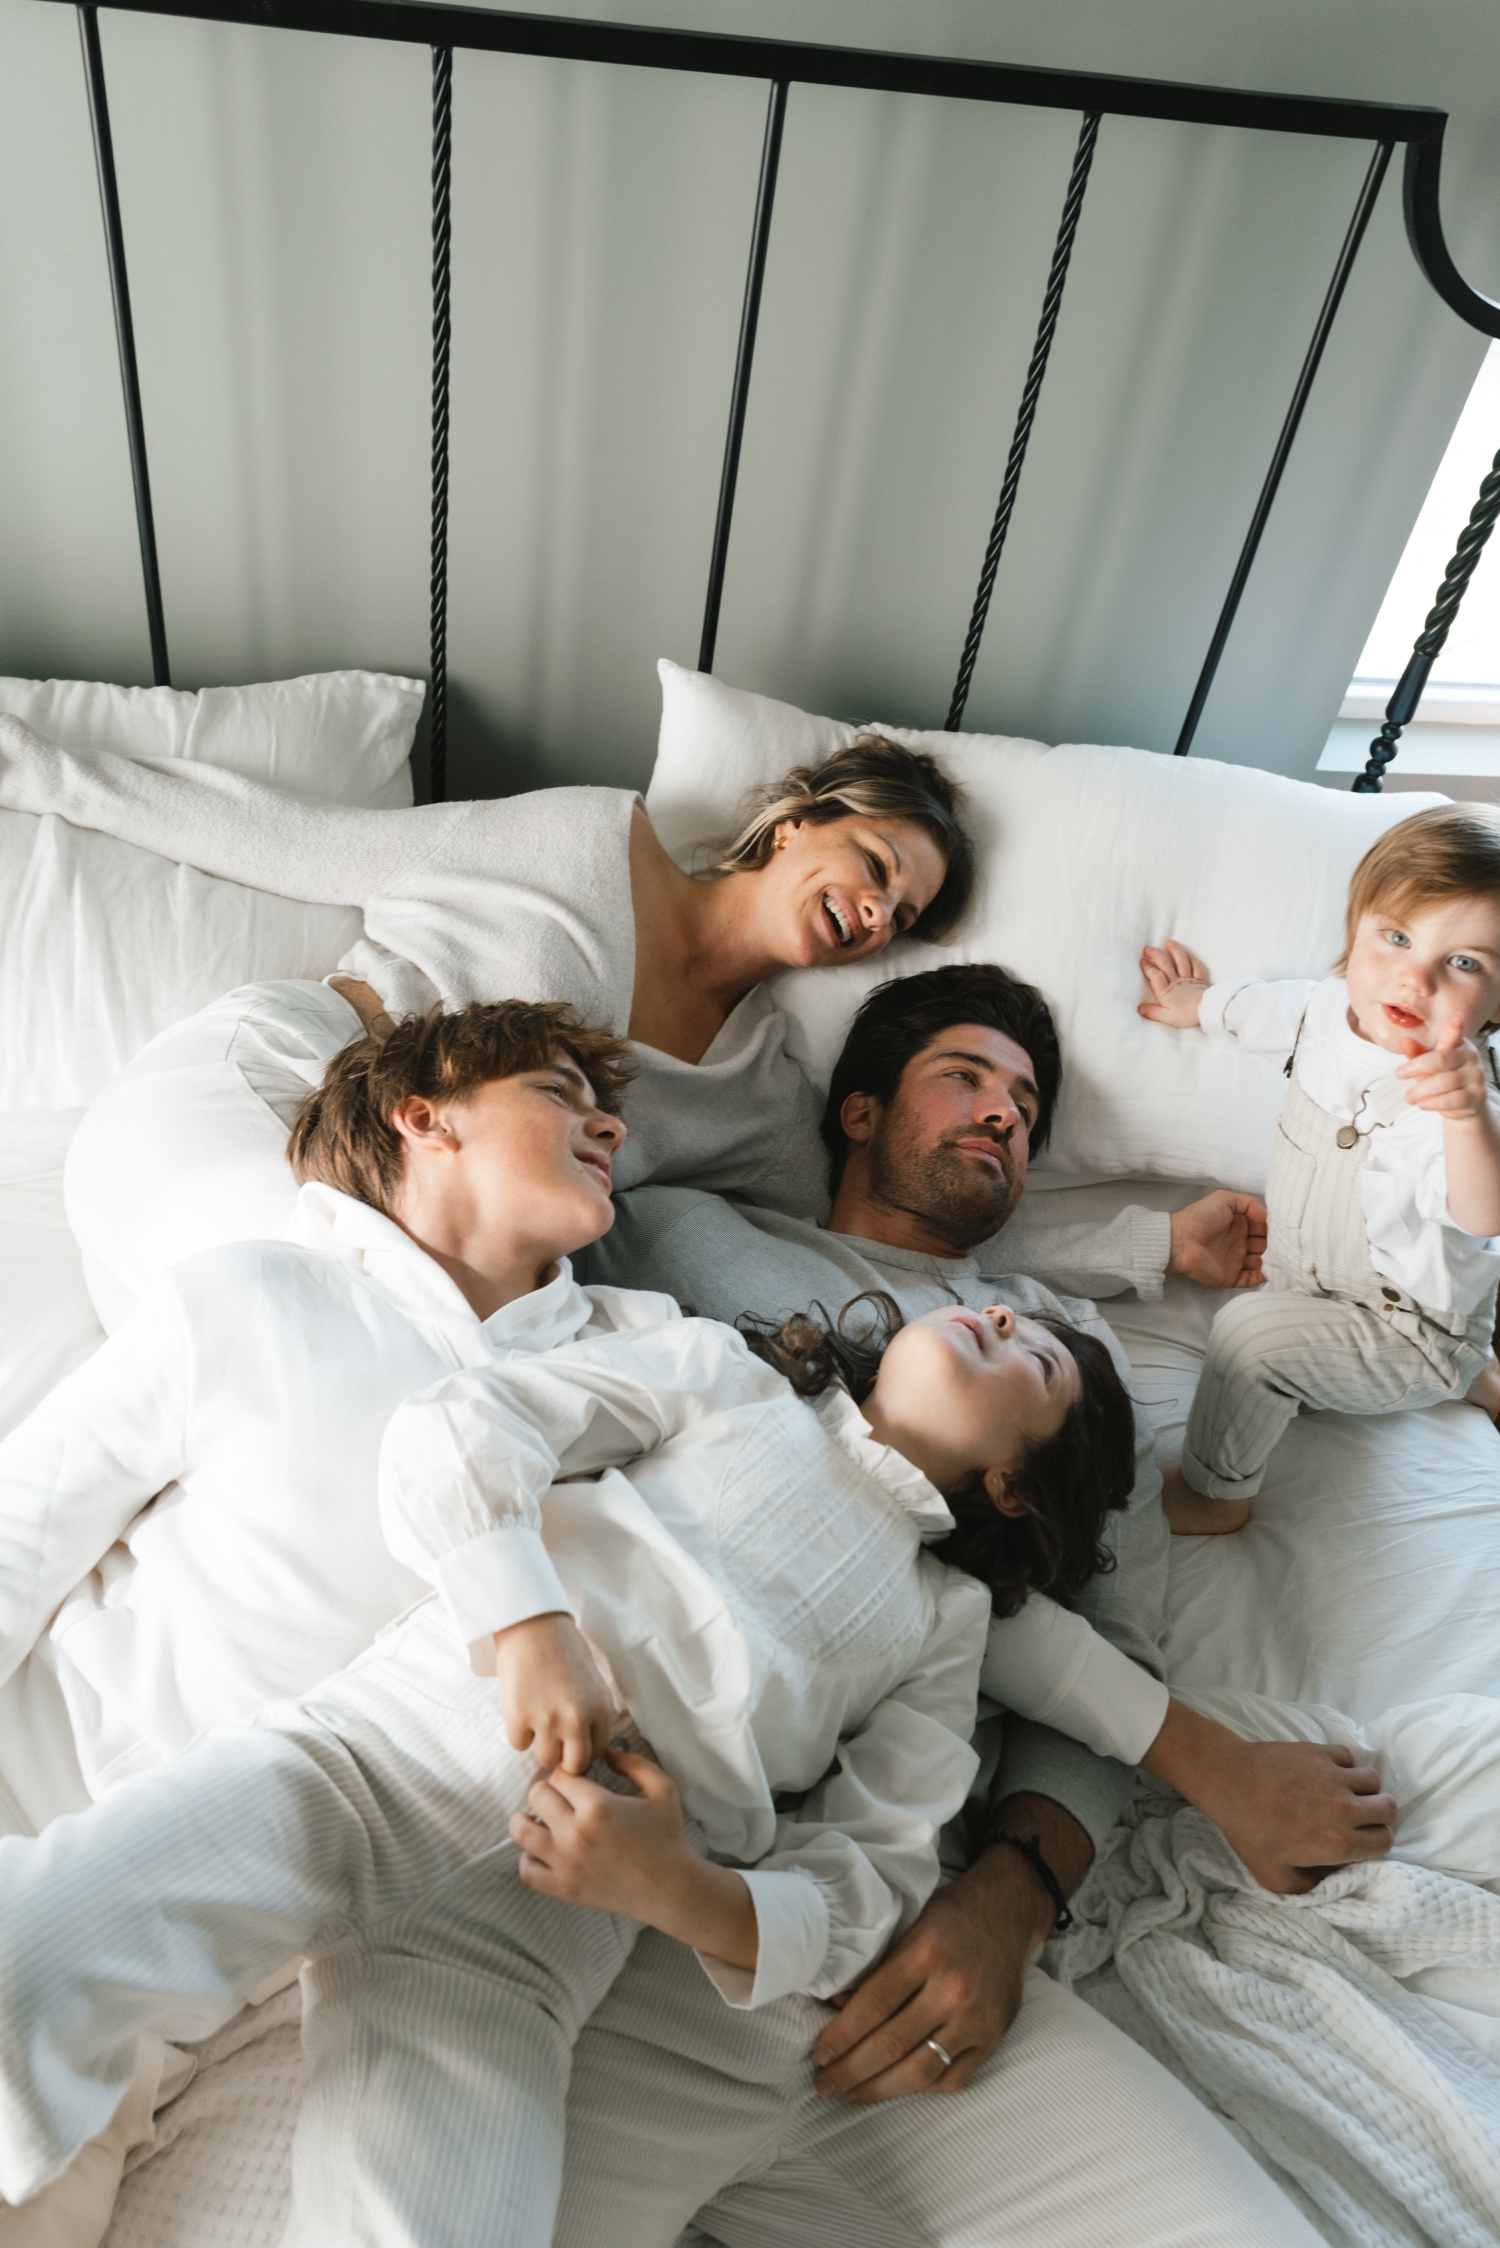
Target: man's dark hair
903 1016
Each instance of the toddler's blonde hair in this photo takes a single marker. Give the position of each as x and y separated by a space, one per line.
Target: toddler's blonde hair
1449 851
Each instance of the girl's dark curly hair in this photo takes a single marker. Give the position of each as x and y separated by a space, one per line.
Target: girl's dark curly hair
1070 1482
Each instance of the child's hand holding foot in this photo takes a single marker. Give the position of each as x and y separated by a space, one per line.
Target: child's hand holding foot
1176 980
552 1697
626 1854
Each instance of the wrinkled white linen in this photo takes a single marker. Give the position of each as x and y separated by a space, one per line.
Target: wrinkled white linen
1307 2021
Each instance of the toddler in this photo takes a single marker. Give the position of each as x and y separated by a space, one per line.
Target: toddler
1384 1188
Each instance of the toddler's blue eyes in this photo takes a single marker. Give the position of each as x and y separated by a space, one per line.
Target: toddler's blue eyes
1396 936
1462 960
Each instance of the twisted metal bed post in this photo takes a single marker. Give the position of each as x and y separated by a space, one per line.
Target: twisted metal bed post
1078 180
119 287
1402 707
442 337
1347 255
760 235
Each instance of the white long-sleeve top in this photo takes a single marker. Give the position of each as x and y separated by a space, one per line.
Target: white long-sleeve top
1049 1664
1404 1183
521 897
192 1514
749 1569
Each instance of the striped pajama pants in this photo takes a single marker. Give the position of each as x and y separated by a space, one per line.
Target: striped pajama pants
466 2035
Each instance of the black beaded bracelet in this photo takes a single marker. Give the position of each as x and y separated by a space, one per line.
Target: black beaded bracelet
1030 1847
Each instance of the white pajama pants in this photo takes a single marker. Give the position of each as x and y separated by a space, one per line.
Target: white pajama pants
1070 2136
1280 1352
365 1827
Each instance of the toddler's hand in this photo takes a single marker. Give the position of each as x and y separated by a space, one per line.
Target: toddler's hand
552 1697
1176 980
1449 1079
581 1842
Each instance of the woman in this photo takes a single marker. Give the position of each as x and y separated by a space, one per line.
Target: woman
562 894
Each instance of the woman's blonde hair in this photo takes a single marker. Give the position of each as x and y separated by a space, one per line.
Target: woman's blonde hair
1449 851
881 780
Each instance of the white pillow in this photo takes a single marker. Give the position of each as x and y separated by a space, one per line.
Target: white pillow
1087 854
342 736
103 945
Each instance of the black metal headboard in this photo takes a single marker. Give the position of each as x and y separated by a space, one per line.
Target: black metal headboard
785 64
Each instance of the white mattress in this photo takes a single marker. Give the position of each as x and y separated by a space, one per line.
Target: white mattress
1366 1578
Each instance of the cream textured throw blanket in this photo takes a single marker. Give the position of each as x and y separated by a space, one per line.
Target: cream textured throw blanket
1293 2018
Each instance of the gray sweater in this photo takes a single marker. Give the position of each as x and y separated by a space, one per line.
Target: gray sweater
722 1258
523 897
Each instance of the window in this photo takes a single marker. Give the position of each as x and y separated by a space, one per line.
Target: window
1454 742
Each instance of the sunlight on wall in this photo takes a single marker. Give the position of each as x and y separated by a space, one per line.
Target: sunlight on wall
1472 655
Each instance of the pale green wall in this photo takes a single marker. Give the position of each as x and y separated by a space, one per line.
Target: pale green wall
274 191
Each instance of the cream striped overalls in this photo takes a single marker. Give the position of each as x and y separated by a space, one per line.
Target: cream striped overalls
1328 1332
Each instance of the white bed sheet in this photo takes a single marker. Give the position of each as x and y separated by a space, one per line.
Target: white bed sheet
1366 1578
47 1323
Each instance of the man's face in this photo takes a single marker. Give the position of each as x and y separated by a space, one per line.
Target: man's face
952 1146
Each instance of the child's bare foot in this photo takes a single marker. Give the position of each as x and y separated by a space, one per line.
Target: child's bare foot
1485 1392
1191 1515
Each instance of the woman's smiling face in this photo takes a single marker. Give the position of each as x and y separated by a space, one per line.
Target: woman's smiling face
960 1390
842 890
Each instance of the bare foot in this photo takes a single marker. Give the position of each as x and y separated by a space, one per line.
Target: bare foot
1485 1392
1191 1515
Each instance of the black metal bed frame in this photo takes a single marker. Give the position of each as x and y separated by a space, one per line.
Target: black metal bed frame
785 63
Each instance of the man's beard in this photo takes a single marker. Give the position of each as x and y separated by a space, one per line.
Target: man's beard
964 1199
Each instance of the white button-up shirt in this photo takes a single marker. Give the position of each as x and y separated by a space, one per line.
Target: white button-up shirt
192 1514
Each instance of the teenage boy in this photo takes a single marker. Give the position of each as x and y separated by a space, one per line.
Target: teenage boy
188 1523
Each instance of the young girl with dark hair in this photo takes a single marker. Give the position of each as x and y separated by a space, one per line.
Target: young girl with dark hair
653 1534
1042 1531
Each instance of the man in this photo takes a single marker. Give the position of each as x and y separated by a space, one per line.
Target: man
946 1084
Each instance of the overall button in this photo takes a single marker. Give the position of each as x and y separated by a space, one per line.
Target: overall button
1347 1136
1391 1295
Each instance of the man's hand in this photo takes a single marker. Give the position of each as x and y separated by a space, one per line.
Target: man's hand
956 1974
1291 1810
1220 1241
552 1697
1176 980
